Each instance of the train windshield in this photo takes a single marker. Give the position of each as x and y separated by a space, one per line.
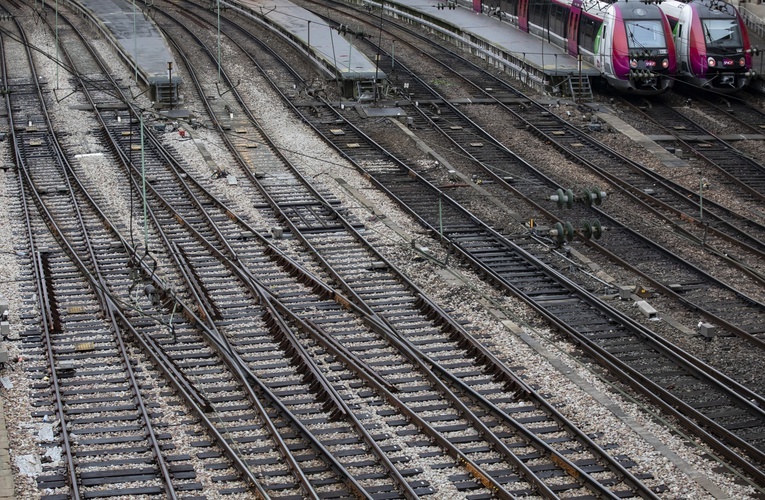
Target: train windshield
645 34
722 32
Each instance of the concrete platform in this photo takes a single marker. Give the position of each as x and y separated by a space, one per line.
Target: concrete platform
524 56
329 47
138 41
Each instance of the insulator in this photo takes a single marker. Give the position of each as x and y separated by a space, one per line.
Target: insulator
587 230
568 231
562 198
597 229
597 195
557 233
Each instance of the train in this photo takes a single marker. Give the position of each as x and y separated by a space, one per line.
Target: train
642 47
629 41
712 45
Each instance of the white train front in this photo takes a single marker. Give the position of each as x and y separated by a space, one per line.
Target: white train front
712 43
629 41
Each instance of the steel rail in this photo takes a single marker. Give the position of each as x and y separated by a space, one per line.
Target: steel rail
751 169
541 485
40 285
97 281
233 90
715 318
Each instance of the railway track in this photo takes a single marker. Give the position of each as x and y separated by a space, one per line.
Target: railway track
598 328
97 394
747 174
260 403
719 302
410 316
737 109
205 247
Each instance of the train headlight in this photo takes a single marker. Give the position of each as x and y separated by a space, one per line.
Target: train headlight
665 63
711 62
741 61
633 63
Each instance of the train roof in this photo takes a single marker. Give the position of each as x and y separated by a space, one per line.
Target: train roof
704 8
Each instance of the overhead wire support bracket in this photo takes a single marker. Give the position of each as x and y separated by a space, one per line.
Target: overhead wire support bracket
59 99
226 92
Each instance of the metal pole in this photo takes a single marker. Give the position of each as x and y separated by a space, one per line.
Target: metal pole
135 46
334 60
309 35
440 217
170 82
57 45
143 176
379 44
219 40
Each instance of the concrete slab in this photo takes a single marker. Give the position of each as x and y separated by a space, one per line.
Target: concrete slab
646 142
373 112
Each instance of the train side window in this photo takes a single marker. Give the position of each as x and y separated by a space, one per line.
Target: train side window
538 13
559 20
509 6
588 30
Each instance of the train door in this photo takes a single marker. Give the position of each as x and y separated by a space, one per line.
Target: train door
523 15
510 7
573 27
681 45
